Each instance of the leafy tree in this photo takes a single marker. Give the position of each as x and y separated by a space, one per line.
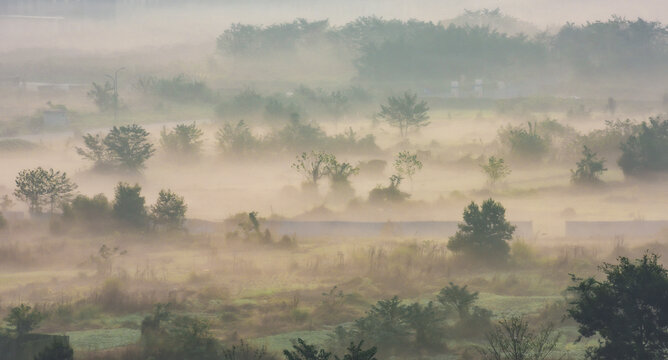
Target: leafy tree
236 139
339 173
496 169
405 112
513 340
313 165
39 187
129 206
104 96
129 146
459 298
23 319
484 233
297 135
303 351
355 352
407 164
124 148
185 140
169 210
589 168
627 310
96 151
647 150
58 350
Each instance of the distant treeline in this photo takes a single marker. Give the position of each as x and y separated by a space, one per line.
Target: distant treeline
395 50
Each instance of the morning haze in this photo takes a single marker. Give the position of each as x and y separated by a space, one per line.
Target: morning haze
333 180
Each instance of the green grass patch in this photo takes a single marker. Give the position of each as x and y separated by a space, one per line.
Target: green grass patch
102 339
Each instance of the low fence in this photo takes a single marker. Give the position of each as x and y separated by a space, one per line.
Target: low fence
640 228
319 229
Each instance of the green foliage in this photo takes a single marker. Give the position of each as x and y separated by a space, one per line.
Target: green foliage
589 169
297 135
627 309
603 49
129 206
253 40
58 350
104 96
313 165
170 337
428 325
355 352
385 325
23 319
303 351
495 169
484 234
525 144
244 351
92 213
236 139
512 339
184 141
407 164
178 88
124 148
647 150
39 187
405 112
169 210
459 298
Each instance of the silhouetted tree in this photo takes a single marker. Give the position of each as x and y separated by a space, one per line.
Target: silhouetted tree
512 339
485 233
169 210
39 187
405 112
184 141
129 206
647 150
23 319
628 310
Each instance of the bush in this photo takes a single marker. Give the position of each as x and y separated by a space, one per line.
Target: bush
524 144
94 213
512 339
389 194
58 350
647 150
589 169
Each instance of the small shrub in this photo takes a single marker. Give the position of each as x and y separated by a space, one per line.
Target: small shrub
589 169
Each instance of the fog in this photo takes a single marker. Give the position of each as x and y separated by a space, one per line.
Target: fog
224 179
